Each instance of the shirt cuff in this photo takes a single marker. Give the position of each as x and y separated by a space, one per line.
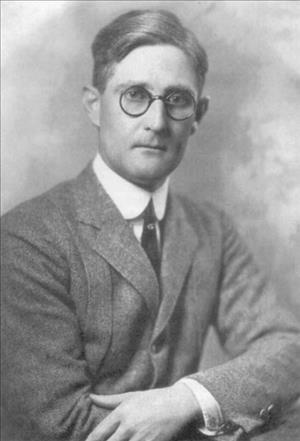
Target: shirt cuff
211 411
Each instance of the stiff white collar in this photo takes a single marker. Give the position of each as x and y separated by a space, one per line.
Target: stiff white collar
130 199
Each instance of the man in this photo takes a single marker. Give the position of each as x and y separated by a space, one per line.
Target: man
111 281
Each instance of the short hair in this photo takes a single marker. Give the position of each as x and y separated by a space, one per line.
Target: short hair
139 28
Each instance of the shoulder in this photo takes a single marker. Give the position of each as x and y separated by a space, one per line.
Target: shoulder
38 213
42 224
51 210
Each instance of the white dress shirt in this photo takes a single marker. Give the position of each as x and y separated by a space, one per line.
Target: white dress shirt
131 201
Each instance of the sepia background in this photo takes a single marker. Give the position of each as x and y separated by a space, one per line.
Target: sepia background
246 155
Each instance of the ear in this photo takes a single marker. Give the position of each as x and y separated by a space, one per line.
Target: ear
202 108
92 104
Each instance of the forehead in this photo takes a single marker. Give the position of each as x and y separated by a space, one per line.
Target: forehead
160 67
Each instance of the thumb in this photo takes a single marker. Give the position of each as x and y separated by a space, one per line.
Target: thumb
110 401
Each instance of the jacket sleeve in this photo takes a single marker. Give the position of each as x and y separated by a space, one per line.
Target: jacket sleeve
46 380
262 338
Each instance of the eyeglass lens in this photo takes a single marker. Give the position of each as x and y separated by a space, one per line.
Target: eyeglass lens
136 100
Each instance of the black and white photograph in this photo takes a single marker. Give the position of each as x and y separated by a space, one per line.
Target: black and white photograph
150 220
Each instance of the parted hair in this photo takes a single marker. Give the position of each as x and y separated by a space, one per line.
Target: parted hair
139 28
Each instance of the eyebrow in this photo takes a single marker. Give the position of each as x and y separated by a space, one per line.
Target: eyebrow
169 89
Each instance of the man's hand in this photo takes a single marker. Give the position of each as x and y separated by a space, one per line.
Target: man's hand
153 415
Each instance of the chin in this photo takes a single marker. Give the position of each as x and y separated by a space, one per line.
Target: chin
148 175
150 181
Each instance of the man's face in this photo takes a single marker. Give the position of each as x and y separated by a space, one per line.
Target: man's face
146 149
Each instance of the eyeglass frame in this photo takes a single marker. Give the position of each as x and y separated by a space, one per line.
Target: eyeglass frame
154 98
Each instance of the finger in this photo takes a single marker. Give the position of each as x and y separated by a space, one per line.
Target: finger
105 429
154 435
110 401
119 435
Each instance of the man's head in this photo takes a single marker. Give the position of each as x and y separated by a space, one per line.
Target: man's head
146 96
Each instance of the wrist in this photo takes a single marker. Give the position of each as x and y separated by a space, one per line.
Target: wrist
186 402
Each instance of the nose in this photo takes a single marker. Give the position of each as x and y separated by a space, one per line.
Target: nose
156 118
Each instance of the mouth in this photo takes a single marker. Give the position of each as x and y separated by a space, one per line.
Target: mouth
154 147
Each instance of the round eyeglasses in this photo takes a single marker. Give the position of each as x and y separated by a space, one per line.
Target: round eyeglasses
179 104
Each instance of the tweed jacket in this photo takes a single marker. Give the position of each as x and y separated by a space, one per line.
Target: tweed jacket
83 311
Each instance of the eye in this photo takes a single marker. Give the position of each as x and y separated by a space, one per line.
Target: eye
180 99
136 94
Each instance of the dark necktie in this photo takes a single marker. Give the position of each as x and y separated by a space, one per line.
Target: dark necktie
149 238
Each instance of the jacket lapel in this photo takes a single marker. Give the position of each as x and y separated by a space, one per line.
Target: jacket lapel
111 237
180 243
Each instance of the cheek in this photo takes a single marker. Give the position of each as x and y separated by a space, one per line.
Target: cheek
118 126
108 117
181 135
112 131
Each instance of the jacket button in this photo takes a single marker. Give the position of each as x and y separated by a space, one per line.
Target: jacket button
271 408
158 345
229 427
154 348
264 414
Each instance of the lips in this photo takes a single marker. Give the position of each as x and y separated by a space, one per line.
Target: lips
152 146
